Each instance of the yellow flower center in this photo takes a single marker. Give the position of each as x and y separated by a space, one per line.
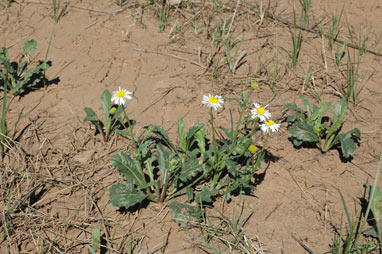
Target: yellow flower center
260 111
269 123
254 85
213 100
252 148
112 111
121 94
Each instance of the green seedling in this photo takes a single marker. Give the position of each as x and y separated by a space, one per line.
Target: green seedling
353 87
162 16
4 130
235 61
121 3
351 243
339 55
218 31
296 41
56 8
305 11
5 3
96 240
309 127
112 115
332 34
19 75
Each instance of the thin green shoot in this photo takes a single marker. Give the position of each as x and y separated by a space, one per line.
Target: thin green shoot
56 7
296 41
332 34
3 116
5 3
305 12
235 61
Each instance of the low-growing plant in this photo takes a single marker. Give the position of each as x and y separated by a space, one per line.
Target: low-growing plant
4 130
333 32
5 3
114 120
217 32
96 240
161 169
351 242
235 61
296 41
353 88
312 127
19 75
56 8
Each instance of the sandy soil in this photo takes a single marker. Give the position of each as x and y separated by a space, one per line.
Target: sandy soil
97 45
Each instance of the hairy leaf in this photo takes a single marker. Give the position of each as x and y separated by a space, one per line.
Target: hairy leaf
182 135
128 168
190 169
339 116
121 195
307 105
164 163
161 133
29 46
205 195
319 111
183 213
304 132
90 115
106 103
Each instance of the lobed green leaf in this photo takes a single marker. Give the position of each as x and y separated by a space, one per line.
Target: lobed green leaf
121 195
304 132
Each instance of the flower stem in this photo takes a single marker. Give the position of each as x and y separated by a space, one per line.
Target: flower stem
213 135
131 128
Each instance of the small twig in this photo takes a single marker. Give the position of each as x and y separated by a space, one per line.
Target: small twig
303 245
17 204
170 55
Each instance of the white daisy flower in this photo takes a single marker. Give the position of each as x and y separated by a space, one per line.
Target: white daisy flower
214 101
270 125
120 96
260 112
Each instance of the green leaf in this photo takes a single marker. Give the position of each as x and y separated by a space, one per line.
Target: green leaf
319 111
376 204
338 118
227 132
190 169
4 56
304 132
205 196
192 132
190 194
161 133
307 105
348 147
371 231
96 238
183 213
182 135
90 115
128 168
200 137
164 163
121 195
106 103
29 46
